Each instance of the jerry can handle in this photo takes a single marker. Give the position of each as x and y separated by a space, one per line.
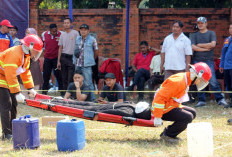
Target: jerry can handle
73 120
27 116
24 117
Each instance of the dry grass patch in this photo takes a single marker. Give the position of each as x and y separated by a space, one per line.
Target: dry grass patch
108 139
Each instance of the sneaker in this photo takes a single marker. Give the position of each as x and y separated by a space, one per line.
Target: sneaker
222 102
168 139
200 104
7 136
227 106
130 88
229 121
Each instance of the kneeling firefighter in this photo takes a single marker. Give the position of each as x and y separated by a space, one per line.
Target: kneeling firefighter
167 101
16 61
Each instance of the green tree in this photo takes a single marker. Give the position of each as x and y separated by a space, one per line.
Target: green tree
54 4
188 4
79 4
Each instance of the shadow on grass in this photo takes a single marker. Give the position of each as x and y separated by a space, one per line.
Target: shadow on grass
47 141
140 143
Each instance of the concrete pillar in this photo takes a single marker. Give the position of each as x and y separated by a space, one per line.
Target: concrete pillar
34 13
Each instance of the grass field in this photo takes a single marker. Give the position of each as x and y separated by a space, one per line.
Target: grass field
108 139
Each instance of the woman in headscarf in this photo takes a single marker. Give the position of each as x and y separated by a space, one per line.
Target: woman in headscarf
34 68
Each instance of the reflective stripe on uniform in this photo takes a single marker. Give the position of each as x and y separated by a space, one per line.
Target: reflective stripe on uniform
28 66
27 81
168 108
10 65
15 85
3 82
159 105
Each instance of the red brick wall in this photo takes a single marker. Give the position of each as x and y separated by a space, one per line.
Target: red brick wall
155 24
107 24
145 24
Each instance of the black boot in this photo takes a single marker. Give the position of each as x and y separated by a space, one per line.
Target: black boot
168 139
130 88
7 136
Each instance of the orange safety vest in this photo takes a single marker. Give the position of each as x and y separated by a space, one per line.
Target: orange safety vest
170 94
13 62
4 44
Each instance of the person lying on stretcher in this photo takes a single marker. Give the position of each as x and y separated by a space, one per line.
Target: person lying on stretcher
140 110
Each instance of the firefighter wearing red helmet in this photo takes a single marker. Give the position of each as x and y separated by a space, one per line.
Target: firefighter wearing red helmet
167 103
16 61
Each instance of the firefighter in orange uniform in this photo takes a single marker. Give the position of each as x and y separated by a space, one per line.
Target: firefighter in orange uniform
16 61
167 101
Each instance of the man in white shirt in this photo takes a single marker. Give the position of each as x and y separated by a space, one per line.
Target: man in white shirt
176 51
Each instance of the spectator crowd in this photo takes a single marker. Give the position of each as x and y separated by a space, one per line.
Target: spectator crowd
70 58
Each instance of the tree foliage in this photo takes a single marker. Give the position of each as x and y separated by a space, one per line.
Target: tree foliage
188 3
79 4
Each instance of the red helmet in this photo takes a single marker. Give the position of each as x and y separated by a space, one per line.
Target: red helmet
32 41
203 71
34 44
203 74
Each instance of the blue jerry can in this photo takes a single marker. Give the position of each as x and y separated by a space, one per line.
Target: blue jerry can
70 135
26 132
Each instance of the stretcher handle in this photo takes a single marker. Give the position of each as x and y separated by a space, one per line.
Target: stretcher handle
130 120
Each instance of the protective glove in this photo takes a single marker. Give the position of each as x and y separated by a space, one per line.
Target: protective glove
158 122
32 93
20 98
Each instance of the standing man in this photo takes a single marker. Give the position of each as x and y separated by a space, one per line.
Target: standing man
13 32
176 51
16 61
226 64
167 103
65 53
203 44
6 40
141 66
86 51
51 39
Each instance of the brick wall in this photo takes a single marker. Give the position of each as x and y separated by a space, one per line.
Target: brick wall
145 24
155 24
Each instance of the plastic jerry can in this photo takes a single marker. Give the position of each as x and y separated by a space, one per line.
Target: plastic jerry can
26 132
70 135
200 139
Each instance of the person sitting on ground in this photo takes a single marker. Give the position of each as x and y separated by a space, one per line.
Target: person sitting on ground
78 90
116 90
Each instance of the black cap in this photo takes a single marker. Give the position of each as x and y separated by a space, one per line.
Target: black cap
78 71
110 75
84 26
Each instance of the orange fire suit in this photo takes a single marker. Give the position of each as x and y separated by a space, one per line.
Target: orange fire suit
13 62
170 94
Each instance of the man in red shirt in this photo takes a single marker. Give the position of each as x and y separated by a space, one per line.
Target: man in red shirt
51 39
141 66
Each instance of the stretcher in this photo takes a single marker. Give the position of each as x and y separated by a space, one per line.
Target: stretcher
39 102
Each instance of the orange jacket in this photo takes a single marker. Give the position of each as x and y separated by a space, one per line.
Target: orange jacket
172 89
14 62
